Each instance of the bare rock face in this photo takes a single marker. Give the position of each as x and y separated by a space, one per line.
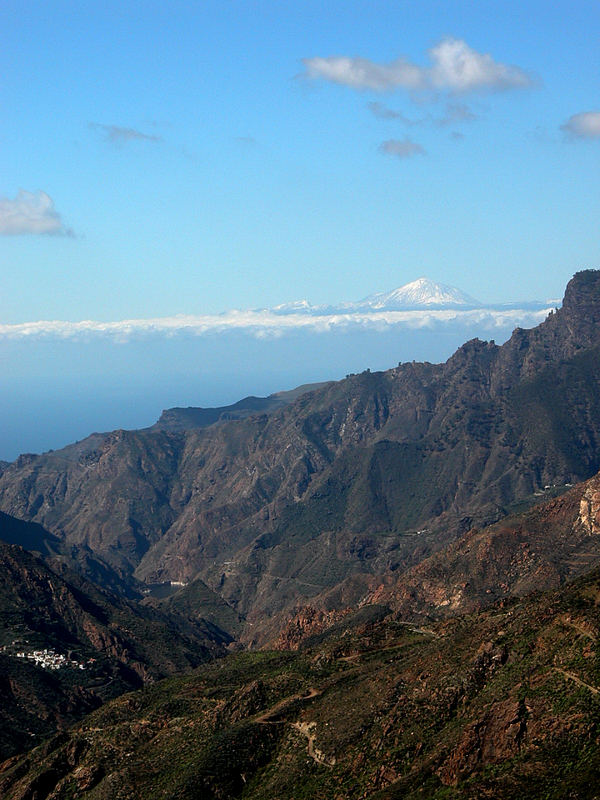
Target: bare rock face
306 622
589 508
491 740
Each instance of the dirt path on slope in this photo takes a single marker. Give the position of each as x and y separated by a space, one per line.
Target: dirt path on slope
422 631
579 627
577 680
308 729
356 656
266 718
305 728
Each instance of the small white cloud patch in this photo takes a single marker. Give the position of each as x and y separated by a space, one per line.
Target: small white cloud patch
456 113
459 68
585 125
360 73
401 148
30 213
383 112
455 67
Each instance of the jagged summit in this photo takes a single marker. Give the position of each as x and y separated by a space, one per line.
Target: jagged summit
582 295
420 293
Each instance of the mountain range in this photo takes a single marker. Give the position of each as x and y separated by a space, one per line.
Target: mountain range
420 294
358 478
388 534
420 299
124 371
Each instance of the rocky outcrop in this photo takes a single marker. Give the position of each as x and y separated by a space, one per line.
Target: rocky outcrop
589 508
304 624
493 739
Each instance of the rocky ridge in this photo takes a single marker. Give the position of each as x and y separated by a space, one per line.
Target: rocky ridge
181 419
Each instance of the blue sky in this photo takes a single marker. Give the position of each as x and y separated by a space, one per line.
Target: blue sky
257 185
188 158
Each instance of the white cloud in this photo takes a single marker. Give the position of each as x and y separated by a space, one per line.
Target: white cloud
401 148
381 111
585 125
459 68
30 213
455 67
454 114
360 73
266 323
118 135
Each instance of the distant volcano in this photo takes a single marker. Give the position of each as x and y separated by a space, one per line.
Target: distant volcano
422 293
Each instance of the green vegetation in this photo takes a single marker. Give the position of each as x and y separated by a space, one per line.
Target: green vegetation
496 705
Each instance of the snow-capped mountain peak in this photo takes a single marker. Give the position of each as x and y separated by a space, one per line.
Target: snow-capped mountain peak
422 293
295 307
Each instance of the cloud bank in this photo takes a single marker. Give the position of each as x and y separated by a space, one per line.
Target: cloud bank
585 125
30 213
267 323
455 67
